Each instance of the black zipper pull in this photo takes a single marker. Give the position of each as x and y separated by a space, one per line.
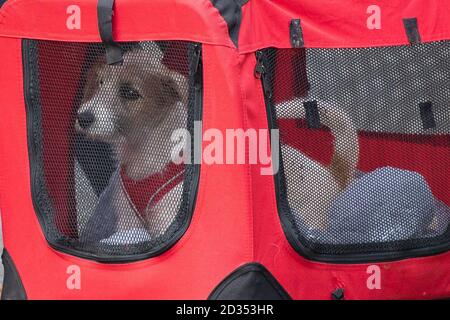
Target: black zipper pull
196 57
259 68
260 73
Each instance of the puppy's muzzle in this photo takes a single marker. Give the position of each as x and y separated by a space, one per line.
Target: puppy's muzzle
85 119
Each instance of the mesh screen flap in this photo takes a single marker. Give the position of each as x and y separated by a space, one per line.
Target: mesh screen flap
365 145
104 179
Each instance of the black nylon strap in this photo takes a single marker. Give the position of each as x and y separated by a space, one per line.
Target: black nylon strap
13 288
104 16
427 116
412 31
296 34
312 114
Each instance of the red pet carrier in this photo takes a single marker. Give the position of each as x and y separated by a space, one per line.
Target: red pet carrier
100 97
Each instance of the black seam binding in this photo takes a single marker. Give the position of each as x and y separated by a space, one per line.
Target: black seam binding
243 270
288 225
36 166
13 288
231 12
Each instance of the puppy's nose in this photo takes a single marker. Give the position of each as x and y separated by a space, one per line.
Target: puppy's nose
85 119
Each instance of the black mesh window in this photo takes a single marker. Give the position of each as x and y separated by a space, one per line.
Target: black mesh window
365 148
107 144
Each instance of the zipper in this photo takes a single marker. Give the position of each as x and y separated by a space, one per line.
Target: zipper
197 70
33 131
261 73
196 64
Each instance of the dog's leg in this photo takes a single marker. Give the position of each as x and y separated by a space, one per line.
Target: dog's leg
346 145
311 188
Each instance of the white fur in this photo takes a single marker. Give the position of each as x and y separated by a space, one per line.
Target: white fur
315 186
102 112
142 160
150 159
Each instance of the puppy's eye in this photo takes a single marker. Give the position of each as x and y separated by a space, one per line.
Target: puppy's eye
127 92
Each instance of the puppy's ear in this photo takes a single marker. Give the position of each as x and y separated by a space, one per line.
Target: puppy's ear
91 81
173 89
154 49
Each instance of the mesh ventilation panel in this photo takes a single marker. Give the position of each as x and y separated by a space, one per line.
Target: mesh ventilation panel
365 146
103 177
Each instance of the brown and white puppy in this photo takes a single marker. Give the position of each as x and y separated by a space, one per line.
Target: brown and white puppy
135 107
312 187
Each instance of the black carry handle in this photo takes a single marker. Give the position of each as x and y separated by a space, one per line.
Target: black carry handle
427 115
312 114
412 30
104 16
296 34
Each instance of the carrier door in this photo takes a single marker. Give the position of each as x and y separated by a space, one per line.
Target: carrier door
364 149
110 145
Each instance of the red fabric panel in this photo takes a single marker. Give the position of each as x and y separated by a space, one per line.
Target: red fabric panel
325 23
133 20
332 24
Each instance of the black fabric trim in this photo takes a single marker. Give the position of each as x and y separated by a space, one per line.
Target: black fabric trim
338 294
39 194
104 16
249 282
412 30
12 285
427 115
296 33
231 12
312 114
2 2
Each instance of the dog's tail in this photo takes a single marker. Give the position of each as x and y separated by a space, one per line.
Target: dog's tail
346 145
